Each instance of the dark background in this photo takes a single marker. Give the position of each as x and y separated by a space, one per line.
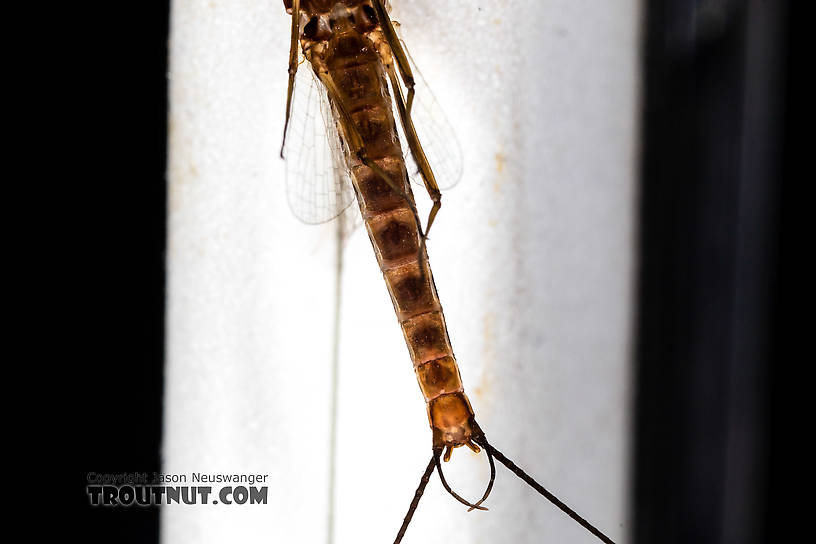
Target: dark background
117 99
716 334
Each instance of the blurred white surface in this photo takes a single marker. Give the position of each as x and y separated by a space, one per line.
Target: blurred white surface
532 255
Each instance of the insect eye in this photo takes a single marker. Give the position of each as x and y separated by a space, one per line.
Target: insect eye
310 30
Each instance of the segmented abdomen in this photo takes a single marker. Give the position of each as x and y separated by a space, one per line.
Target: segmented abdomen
392 228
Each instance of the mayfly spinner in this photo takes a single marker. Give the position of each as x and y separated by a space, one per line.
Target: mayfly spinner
364 73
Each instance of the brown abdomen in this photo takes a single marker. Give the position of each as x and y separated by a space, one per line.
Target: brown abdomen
392 228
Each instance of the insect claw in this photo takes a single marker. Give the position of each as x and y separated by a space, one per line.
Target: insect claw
448 488
470 444
448 452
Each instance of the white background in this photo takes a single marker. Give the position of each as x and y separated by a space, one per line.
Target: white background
532 255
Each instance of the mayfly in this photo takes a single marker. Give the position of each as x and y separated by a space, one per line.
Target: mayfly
364 74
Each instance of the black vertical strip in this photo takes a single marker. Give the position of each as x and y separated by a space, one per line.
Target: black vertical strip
714 94
115 93
790 456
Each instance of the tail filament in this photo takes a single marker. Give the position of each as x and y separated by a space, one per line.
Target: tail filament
512 467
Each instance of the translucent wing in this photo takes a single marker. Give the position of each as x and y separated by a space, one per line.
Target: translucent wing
318 187
435 133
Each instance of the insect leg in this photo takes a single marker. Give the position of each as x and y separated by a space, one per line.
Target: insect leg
540 488
414 503
416 150
396 48
293 66
357 145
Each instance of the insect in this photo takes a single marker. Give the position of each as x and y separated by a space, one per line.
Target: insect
367 91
